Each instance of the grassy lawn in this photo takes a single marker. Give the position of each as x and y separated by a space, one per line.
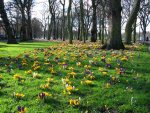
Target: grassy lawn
15 49
47 77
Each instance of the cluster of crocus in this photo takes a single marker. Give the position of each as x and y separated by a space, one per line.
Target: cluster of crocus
36 75
124 58
91 62
18 95
87 66
22 109
113 78
57 59
72 74
49 80
17 76
108 65
28 72
90 76
64 65
87 82
95 59
65 81
46 63
108 60
44 95
45 86
71 68
24 62
27 55
74 102
107 85
120 71
69 88
36 65
103 71
52 71
103 59
78 64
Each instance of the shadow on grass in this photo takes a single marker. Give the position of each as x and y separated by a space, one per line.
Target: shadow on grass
53 102
3 46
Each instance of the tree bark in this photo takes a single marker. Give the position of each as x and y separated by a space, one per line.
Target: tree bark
8 28
130 22
29 24
82 34
23 30
94 21
102 30
54 27
70 23
63 21
49 28
134 31
115 41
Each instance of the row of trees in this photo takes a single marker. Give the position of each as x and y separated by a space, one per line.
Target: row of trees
81 20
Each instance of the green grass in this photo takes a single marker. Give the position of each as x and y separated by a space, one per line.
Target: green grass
128 93
15 49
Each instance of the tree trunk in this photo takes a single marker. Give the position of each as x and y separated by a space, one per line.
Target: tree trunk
131 20
144 32
9 30
29 28
82 34
23 31
103 30
100 27
54 27
63 23
79 31
57 33
115 41
94 21
70 23
49 28
134 31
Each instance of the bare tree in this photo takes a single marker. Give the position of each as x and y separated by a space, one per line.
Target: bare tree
70 23
144 16
131 20
29 24
8 28
94 22
115 41
24 6
63 20
82 20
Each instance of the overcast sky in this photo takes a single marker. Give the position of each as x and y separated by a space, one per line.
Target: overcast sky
39 7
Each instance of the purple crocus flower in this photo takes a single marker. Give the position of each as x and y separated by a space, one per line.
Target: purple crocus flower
20 108
108 65
122 71
65 66
20 66
103 60
42 95
57 59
